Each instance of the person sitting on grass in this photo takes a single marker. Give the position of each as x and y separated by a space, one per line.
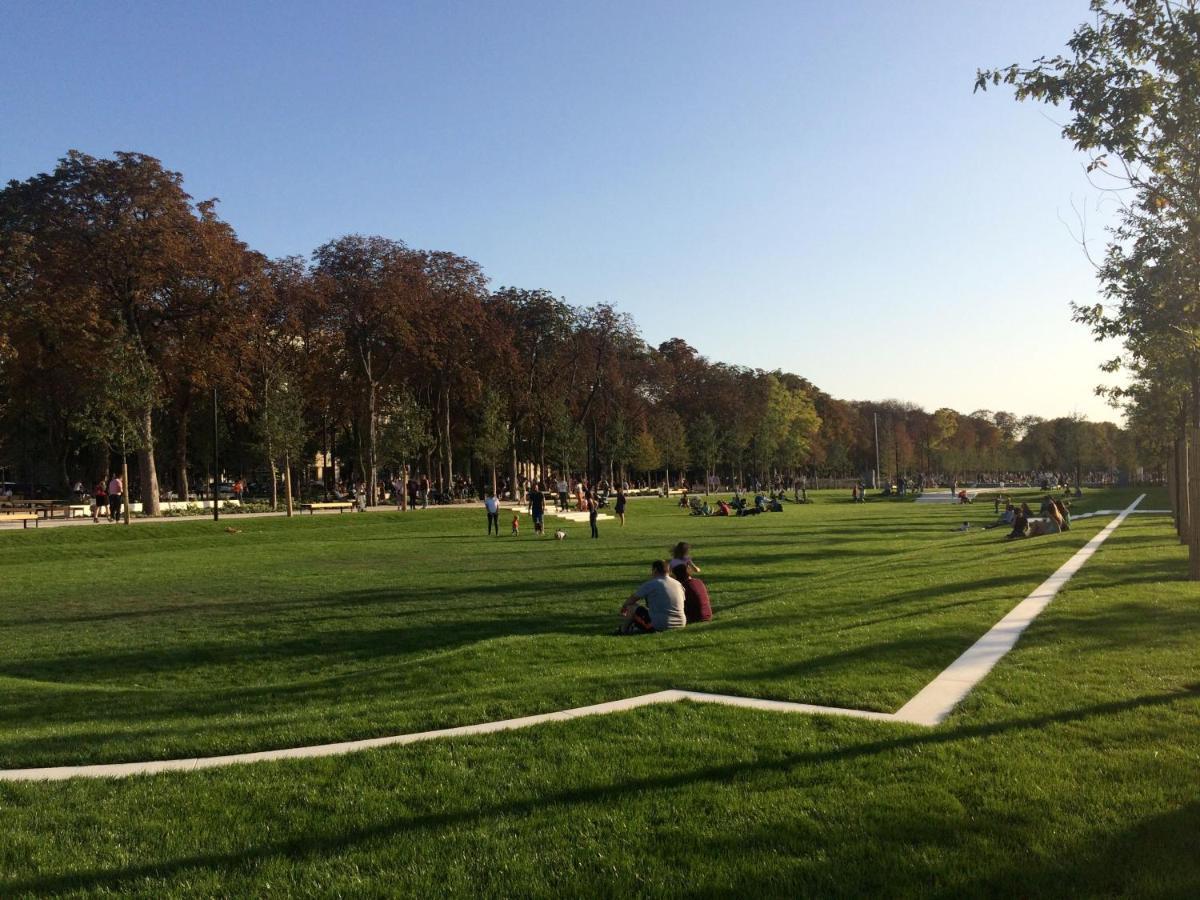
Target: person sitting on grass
1020 523
696 605
664 598
1064 512
1052 524
1006 517
723 508
681 555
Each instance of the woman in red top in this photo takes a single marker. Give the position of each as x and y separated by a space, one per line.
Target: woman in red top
99 499
696 605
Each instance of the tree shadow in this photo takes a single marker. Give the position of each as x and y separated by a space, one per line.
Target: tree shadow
418 826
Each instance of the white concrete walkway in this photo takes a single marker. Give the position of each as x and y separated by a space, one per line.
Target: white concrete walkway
928 708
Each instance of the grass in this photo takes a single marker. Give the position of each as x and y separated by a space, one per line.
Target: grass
1071 769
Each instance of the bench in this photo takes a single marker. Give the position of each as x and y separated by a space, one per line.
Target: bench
340 506
23 518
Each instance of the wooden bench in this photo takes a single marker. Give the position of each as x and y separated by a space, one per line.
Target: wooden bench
340 506
23 517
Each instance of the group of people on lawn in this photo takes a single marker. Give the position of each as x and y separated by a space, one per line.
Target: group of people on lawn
673 596
1054 517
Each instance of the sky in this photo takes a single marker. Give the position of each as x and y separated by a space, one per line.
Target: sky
810 186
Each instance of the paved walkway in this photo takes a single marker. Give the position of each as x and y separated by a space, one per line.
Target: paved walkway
928 708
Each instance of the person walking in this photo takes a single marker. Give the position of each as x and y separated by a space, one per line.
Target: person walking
593 511
99 499
492 504
620 507
537 508
116 496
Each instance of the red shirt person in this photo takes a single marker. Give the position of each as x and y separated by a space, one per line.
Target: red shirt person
696 605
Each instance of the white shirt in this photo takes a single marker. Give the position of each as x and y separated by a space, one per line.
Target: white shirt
491 504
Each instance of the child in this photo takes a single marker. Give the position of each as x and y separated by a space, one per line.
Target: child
516 524
681 555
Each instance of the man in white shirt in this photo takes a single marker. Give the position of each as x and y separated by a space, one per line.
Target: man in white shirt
492 505
664 598
116 494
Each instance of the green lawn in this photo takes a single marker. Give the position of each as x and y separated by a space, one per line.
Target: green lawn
1071 769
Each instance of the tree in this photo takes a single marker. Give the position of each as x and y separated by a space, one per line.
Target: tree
492 434
124 254
1129 79
404 429
281 433
646 455
114 412
702 437
372 288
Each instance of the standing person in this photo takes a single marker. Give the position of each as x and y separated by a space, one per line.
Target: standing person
99 499
425 485
537 508
492 504
593 511
620 508
116 495
563 488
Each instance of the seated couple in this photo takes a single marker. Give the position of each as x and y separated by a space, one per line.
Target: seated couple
1057 519
672 601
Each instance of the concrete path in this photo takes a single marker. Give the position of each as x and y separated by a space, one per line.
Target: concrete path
928 708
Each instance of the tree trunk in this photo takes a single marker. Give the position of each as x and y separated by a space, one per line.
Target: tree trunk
372 466
494 467
125 485
1181 491
515 490
1169 480
542 447
1193 499
449 449
274 485
287 482
181 453
146 470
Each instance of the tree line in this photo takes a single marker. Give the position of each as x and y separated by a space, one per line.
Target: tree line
1128 79
132 315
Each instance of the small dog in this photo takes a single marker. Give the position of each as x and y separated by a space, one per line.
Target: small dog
559 535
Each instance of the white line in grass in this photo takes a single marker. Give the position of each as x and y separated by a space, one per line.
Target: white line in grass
929 707
940 696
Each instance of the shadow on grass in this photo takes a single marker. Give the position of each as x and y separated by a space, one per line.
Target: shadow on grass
423 634
1183 822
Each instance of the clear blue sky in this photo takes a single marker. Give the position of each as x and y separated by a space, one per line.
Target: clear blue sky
803 185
